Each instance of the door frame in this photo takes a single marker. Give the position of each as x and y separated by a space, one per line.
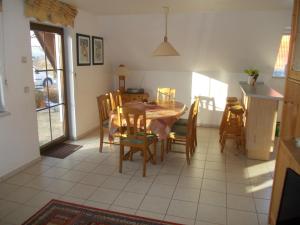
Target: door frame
60 31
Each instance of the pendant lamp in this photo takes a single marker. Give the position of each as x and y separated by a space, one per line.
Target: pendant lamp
165 48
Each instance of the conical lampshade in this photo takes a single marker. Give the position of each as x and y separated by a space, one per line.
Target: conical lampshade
165 49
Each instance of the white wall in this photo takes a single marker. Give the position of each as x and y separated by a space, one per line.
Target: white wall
218 45
18 131
90 81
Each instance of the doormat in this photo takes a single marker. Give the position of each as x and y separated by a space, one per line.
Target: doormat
61 150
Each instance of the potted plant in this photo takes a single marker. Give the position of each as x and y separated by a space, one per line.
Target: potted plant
252 76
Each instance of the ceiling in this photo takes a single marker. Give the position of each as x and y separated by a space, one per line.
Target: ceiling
112 7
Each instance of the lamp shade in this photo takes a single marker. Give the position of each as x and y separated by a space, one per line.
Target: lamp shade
122 70
165 49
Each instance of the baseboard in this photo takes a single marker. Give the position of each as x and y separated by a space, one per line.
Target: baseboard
18 170
83 135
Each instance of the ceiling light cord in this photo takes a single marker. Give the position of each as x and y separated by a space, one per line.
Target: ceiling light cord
166 10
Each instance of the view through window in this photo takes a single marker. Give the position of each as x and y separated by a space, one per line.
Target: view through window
282 57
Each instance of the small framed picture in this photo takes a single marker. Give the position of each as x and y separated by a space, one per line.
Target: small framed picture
83 50
98 50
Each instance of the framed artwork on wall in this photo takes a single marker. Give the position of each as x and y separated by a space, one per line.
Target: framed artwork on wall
98 50
83 50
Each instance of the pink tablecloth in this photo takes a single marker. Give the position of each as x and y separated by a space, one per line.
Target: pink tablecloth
160 117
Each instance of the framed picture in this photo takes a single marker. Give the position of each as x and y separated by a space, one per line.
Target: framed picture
83 50
98 50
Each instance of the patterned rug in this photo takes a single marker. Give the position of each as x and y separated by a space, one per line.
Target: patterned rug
64 213
61 150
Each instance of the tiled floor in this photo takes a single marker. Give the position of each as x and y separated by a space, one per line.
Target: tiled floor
215 189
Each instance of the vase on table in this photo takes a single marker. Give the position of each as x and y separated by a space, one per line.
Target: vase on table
251 80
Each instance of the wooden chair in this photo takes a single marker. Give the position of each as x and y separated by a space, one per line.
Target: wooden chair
104 108
136 137
165 94
115 99
230 101
184 122
184 136
234 127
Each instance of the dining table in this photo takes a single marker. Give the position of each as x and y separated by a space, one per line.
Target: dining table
160 117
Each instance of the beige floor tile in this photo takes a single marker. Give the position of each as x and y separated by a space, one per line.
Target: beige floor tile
186 194
122 209
262 192
151 215
85 166
105 169
72 199
213 198
172 170
204 223
263 219
20 179
212 214
98 205
214 185
189 182
155 204
22 195
37 169
161 190
115 183
74 176
19 215
104 195
195 163
41 199
219 166
235 217
240 189
129 200
166 179
192 172
6 189
7 207
49 161
82 191
262 205
240 203
40 182
59 186
55 172
137 186
180 220
214 175
94 179
67 164
182 209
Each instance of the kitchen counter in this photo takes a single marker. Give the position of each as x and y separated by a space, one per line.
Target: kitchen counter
260 90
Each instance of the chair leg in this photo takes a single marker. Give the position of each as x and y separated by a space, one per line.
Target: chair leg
187 153
223 142
162 150
101 139
121 158
154 152
145 161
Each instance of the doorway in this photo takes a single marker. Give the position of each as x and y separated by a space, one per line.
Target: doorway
47 47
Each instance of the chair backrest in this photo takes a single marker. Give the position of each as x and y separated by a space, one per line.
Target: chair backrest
166 94
115 99
104 107
135 120
192 118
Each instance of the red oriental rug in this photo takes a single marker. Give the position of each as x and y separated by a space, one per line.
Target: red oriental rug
64 213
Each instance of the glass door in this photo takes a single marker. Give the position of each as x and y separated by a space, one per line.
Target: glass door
49 81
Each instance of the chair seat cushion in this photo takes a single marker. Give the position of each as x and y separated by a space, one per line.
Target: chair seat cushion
132 140
179 130
182 122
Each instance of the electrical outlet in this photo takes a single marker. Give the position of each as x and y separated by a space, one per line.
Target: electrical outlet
24 59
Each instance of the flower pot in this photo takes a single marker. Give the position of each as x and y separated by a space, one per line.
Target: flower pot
251 80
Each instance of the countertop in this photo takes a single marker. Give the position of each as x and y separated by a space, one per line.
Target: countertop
260 90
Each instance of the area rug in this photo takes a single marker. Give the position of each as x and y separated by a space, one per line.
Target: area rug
63 213
61 150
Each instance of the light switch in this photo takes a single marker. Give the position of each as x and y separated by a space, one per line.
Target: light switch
24 59
26 89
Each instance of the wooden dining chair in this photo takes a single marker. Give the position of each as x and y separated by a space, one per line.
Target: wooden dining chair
183 123
115 99
165 94
104 108
184 135
136 138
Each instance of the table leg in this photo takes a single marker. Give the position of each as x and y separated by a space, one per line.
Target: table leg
162 150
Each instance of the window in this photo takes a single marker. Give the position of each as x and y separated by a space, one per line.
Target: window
282 57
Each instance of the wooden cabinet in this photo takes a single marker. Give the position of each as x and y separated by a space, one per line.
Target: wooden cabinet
126 97
288 157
